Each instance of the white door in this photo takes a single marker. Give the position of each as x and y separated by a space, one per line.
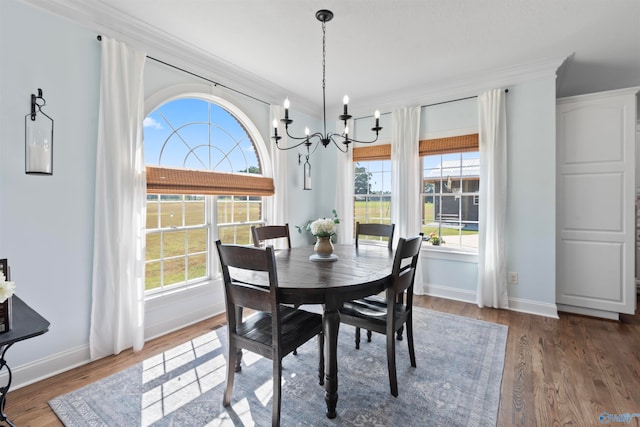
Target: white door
596 203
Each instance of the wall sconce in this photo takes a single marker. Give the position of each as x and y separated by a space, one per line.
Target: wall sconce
38 144
307 171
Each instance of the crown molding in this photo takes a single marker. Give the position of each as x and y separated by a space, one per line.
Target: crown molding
109 21
462 87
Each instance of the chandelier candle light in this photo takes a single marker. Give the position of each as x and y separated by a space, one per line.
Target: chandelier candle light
324 137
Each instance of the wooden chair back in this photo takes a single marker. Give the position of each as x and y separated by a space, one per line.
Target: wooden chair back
371 229
404 270
272 331
268 232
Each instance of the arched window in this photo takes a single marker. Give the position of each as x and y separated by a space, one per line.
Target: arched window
205 182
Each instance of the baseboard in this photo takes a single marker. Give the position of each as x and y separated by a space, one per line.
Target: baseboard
515 304
611 315
533 307
38 370
447 292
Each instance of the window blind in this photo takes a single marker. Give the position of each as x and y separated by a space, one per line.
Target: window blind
373 152
452 144
185 181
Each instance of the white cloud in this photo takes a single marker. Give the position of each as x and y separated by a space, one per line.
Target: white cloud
149 122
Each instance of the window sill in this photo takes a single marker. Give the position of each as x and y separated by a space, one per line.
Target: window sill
191 287
449 254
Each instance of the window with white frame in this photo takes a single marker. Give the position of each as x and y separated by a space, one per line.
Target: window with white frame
372 186
451 190
204 182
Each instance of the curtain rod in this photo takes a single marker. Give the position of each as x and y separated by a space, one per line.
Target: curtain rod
429 105
455 100
99 37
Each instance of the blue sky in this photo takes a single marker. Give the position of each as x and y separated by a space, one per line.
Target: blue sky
196 134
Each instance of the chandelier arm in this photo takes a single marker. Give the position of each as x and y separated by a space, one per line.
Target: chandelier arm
362 142
293 146
298 138
346 146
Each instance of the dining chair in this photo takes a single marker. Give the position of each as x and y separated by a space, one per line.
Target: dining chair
387 316
269 232
273 330
373 229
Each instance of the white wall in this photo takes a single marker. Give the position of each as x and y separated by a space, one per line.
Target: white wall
46 222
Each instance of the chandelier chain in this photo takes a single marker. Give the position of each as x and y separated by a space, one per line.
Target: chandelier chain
324 55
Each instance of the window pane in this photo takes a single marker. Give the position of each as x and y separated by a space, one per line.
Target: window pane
428 213
152 211
237 234
152 275
255 209
194 210
197 266
153 246
225 209
171 212
173 271
197 240
173 243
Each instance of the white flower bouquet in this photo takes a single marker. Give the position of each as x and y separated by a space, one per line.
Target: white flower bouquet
7 289
322 227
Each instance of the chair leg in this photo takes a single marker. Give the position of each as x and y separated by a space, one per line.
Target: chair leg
391 364
238 367
277 388
357 338
295 352
399 334
369 336
321 358
412 352
231 362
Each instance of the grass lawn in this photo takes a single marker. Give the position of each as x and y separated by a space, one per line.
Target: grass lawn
185 251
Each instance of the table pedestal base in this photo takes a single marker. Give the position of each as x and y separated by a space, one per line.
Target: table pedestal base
331 325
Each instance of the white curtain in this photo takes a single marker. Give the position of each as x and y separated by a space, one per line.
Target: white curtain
277 205
405 178
117 309
344 191
492 264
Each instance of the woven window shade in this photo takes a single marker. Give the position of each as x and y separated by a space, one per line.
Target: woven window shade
374 152
452 144
184 181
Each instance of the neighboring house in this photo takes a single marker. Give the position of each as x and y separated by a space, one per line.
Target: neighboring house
448 180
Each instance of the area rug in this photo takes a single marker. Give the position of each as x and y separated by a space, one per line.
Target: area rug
456 383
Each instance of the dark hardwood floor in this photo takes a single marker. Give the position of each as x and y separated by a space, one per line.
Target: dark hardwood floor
558 372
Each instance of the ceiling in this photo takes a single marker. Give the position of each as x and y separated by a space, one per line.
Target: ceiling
375 48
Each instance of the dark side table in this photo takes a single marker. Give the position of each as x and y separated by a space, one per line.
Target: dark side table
26 323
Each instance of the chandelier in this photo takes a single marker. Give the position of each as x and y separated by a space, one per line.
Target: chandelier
325 138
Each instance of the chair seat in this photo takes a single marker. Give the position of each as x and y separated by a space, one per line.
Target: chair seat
372 309
297 327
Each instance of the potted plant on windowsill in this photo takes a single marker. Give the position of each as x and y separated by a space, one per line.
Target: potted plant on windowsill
436 240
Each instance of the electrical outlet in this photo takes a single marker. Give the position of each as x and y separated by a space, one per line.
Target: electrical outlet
513 278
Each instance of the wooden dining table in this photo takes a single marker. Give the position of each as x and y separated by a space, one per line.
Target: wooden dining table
358 272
